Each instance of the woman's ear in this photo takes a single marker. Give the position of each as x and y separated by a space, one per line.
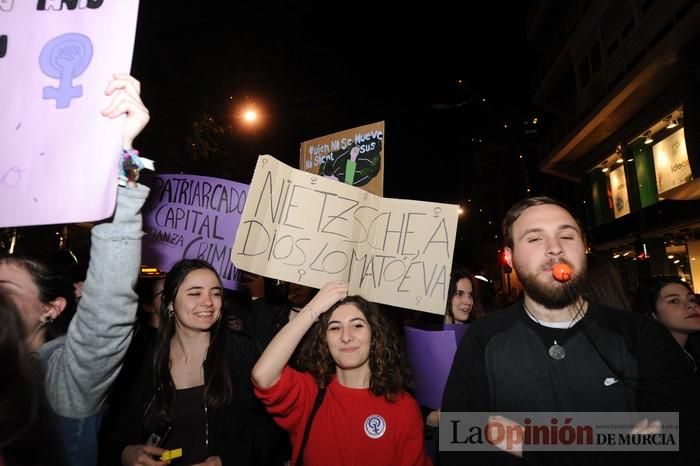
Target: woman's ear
53 309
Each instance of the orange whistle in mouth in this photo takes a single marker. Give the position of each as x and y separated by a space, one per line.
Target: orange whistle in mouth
561 272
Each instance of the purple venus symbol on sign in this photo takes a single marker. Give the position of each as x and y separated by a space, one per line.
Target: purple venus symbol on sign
65 57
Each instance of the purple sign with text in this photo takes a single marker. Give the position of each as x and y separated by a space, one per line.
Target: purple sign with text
430 354
58 154
193 217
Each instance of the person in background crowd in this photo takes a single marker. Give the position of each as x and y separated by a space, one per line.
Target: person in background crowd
462 304
79 367
195 392
264 321
67 263
603 284
24 412
351 407
236 309
557 352
672 302
150 291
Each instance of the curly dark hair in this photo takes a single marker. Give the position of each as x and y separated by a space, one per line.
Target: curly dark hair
390 373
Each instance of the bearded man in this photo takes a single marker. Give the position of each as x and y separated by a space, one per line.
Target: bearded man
555 351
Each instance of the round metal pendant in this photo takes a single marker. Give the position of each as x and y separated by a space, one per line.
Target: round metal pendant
557 351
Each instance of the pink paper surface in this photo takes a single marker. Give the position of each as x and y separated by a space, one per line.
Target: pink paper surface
58 154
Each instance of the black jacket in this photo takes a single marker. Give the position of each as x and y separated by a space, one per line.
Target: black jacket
615 361
237 432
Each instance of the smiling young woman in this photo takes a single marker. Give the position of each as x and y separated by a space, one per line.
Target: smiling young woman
195 395
350 406
462 303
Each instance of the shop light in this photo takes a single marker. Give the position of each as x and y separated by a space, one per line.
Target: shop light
676 261
671 256
618 153
647 137
616 255
605 170
672 124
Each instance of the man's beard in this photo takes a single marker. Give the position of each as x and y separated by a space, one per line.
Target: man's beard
554 295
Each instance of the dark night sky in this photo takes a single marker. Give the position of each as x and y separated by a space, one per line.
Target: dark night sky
318 69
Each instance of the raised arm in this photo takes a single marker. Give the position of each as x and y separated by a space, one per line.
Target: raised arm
268 369
81 370
126 100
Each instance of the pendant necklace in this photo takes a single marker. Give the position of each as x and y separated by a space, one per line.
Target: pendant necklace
556 351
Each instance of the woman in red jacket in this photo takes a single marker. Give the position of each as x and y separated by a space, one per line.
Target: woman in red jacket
351 404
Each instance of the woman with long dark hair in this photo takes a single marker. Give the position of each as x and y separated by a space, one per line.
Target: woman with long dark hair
351 405
463 307
462 303
24 413
672 302
194 394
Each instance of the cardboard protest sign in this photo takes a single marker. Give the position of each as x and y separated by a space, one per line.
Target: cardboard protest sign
306 229
193 217
59 155
354 156
430 354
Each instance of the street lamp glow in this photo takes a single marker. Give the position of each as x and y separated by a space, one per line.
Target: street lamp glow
250 116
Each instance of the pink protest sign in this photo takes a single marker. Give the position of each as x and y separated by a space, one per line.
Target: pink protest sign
58 154
193 217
